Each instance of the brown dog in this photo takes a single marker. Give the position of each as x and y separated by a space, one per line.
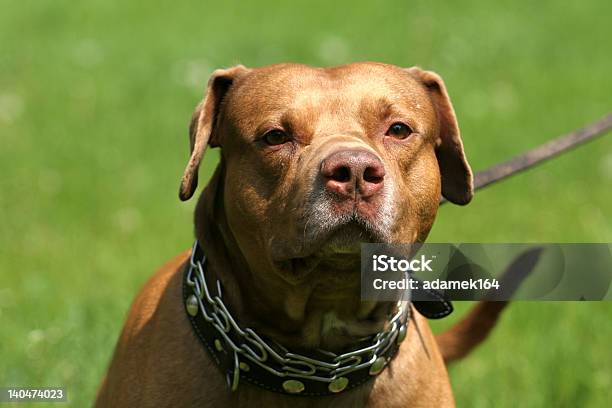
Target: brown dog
314 162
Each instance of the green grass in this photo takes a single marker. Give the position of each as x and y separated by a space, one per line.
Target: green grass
94 104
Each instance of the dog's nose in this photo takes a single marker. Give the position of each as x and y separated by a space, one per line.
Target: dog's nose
349 173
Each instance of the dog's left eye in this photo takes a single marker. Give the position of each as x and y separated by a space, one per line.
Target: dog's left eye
276 137
399 130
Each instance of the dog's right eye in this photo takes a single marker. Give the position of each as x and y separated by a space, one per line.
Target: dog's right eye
276 137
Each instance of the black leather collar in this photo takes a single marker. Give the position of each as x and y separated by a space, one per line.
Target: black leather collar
436 307
241 354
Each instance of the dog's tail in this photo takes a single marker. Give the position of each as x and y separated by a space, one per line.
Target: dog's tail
473 329
469 332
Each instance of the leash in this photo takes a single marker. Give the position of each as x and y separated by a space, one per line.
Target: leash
542 153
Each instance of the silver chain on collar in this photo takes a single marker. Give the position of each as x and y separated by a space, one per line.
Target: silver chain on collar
293 366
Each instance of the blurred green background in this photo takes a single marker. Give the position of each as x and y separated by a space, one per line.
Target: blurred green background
95 98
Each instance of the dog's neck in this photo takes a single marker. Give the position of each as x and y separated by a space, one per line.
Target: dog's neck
293 315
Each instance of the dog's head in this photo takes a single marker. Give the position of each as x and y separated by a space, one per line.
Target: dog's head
318 160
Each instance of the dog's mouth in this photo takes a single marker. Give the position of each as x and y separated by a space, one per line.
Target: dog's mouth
337 250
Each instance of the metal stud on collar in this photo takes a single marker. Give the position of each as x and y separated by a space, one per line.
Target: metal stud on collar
293 386
192 305
338 385
377 366
401 334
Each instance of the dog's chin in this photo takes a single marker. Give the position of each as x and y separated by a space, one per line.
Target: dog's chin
345 240
338 252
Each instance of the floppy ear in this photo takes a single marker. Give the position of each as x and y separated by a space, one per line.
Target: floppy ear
457 179
203 124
